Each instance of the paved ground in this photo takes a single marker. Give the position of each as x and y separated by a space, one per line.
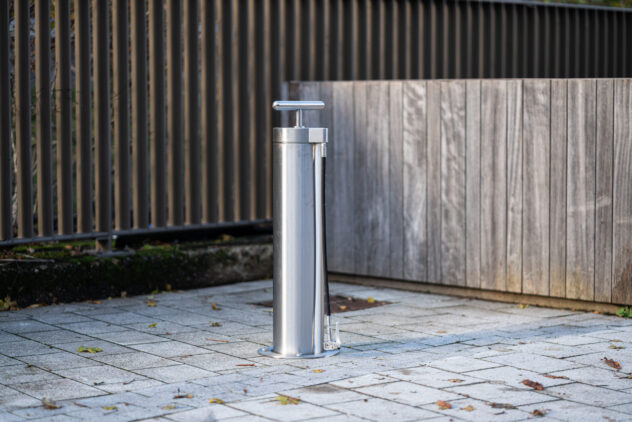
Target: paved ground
160 358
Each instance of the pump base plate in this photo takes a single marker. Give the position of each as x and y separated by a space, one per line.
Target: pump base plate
267 351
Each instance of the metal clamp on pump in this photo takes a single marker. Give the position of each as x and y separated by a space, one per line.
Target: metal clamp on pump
301 327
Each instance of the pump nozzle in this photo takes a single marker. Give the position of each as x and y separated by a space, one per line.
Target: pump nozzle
298 106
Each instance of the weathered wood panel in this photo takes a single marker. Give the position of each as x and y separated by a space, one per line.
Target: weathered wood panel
493 184
514 186
622 220
414 181
535 219
453 182
377 201
361 239
580 188
473 183
433 190
557 213
395 186
603 200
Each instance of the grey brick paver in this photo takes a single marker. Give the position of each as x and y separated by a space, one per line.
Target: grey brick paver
397 361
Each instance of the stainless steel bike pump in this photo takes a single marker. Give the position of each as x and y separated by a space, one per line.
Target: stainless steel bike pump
300 283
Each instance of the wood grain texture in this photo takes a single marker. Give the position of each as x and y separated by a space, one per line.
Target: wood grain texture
557 206
473 183
622 217
493 184
603 199
536 167
377 205
453 183
414 181
433 191
580 190
514 186
362 186
394 150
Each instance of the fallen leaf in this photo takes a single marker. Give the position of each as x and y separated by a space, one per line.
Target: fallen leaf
523 306
612 346
49 404
245 391
215 307
79 404
370 299
612 363
441 332
183 396
538 412
630 376
109 407
502 406
95 302
343 307
84 349
214 324
284 400
155 292
214 400
152 325
212 339
245 364
616 340
169 407
443 405
455 380
555 377
150 303
533 384
168 287
317 371
468 408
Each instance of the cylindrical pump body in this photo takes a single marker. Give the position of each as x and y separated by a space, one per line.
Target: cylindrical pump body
298 154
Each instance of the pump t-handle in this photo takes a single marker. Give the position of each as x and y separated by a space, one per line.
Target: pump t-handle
298 106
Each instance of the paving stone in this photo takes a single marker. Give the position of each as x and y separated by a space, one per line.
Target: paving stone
513 377
575 340
432 377
25 326
572 412
61 317
324 394
11 399
382 410
532 362
477 410
214 361
24 348
407 393
169 349
5 360
500 393
92 327
462 364
242 349
134 360
598 377
7 337
268 407
209 413
58 360
129 337
588 394
174 373
58 389
56 337
363 381
106 347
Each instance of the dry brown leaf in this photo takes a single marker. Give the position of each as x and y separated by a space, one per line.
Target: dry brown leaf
343 307
245 391
183 396
214 324
533 384
150 303
245 364
49 404
502 406
523 306
212 339
612 346
612 363
442 332
538 412
616 340
79 404
317 371
443 405
455 380
555 377
468 408
214 400
215 307
169 407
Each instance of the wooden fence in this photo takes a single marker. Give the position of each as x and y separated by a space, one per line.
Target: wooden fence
510 185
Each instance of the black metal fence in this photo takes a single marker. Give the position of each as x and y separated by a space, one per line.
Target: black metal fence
157 114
